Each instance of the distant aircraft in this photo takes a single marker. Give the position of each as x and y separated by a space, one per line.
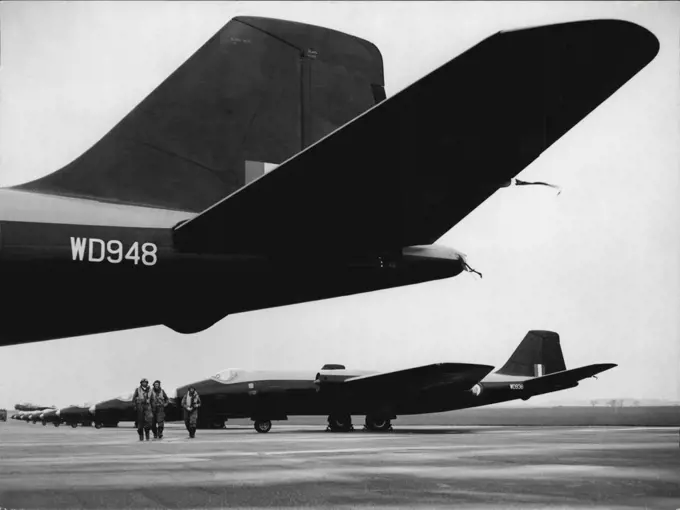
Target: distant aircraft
172 218
75 415
50 416
108 413
27 406
30 416
536 367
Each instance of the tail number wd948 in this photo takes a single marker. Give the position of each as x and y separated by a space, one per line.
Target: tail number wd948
113 251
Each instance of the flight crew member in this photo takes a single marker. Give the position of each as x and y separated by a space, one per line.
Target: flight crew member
159 401
142 401
190 403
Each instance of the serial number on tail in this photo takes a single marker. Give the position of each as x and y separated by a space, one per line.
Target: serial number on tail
92 249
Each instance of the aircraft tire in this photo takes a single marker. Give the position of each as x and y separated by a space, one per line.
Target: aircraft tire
378 424
44 423
262 426
56 423
97 425
340 422
74 425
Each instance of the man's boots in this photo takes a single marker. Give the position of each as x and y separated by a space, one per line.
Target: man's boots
141 434
146 431
155 431
192 431
160 432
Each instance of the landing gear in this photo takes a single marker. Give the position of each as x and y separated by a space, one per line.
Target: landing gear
378 424
340 422
97 425
263 426
74 425
56 423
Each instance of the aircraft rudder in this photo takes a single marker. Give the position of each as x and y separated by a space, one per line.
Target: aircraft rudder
256 93
538 354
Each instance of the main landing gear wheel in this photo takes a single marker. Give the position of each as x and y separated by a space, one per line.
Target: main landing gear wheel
97 425
262 426
340 423
56 423
377 424
74 425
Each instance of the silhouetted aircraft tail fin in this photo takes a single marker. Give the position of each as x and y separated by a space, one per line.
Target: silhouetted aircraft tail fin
539 358
256 93
538 354
410 168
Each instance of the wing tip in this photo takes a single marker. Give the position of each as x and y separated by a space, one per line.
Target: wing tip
633 34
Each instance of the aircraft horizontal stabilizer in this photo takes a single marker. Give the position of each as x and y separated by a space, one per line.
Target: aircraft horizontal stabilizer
564 379
411 167
459 376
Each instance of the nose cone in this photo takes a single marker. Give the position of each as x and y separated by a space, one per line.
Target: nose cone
93 408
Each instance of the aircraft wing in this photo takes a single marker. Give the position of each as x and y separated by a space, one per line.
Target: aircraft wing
565 378
458 376
414 165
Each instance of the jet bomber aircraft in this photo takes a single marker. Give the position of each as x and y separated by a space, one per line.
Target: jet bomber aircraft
536 367
270 169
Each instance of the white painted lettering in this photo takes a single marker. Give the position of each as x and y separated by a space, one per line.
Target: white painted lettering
115 248
84 248
149 257
133 253
78 247
91 258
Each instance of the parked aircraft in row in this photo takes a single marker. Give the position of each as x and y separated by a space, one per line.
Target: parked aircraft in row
172 219
536 367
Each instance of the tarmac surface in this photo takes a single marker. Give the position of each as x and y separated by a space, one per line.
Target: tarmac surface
304 466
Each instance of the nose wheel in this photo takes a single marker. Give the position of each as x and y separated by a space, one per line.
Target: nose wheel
263 426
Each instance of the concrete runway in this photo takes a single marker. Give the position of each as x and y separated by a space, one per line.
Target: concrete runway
304 466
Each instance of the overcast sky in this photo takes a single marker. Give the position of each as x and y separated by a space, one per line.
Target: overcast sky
599 264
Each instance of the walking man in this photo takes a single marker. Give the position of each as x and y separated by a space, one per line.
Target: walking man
159 401
142 400
190 403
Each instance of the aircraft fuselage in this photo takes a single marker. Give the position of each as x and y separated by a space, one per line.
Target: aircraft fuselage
81 266
277 395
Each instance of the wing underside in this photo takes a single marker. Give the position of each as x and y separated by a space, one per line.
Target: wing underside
410 168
